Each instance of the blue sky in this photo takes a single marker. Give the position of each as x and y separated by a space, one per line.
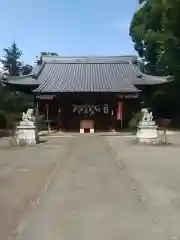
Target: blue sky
68 27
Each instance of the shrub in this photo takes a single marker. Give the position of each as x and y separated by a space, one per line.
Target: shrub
135 120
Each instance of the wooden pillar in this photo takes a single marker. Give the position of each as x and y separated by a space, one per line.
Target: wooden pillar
37 121
122 112
47 117
113 120
37 113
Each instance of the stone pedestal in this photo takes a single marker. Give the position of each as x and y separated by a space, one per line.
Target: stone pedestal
91 130
26 135
147 134
81 130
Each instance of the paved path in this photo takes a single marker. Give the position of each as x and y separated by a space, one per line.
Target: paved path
90 198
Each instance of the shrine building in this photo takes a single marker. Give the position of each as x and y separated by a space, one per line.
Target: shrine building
87 93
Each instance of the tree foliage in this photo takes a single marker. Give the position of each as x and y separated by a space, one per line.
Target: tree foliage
12 59
155 32
13 63
42 54
156 35
49 54
26 69
12 103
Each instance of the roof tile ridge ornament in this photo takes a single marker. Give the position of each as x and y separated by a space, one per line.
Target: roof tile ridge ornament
143 75
35 74
164 78
138 73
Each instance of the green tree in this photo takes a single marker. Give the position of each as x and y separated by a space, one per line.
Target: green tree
13 103
156 35
49 54
145 31
26 69
12 59
39 58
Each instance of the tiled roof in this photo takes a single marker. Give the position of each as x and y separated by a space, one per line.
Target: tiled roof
22 80
152 80
86 77
144 79
87 74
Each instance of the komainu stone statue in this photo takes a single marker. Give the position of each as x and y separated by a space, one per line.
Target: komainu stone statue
147 129
26 132
147 117
28 116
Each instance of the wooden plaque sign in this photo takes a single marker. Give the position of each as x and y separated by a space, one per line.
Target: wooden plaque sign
128 96
87 124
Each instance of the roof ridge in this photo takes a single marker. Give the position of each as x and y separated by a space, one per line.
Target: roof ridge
89 58
64 62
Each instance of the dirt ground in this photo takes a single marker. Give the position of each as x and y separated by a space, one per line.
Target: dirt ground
146 179
154 173
24 172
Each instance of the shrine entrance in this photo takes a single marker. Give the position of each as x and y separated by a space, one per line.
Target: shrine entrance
97 108
87 116
95 111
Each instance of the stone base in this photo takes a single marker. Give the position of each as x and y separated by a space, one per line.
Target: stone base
148 140
26 135
81 130
90 130
147 134
113 130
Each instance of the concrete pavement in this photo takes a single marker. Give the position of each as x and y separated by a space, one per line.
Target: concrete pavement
90 198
